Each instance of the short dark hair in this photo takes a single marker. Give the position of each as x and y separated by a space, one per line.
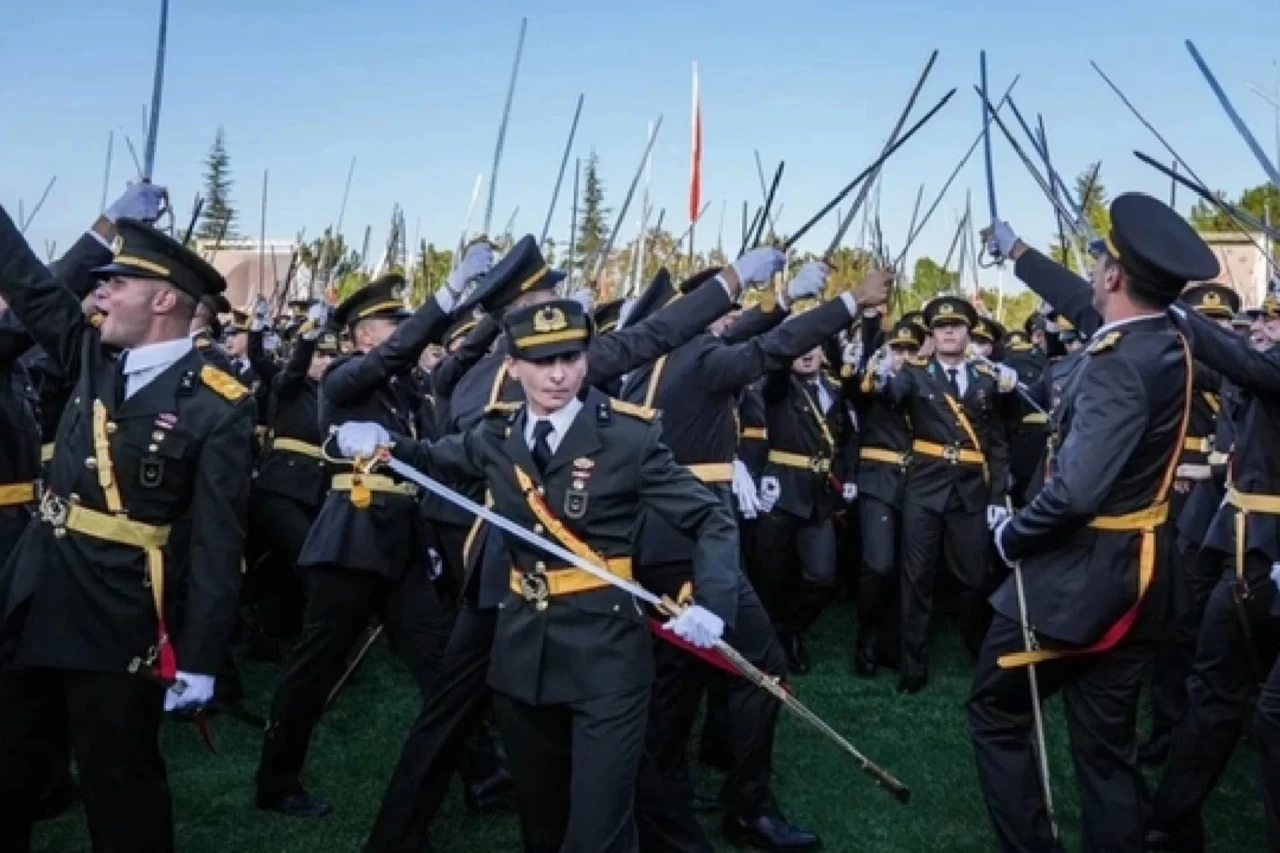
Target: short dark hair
1140 292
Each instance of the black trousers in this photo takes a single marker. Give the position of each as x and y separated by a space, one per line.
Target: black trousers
455 708
276 587
1100 695
1218 691
877 602
574 766
962 537
1266 740
114 722
752 719
788 543
340 605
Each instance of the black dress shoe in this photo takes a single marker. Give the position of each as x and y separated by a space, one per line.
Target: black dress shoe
911 684
769 832
300 804
864 660
495 794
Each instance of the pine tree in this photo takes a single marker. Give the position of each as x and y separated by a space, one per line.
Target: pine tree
1090 192
593 217
219 217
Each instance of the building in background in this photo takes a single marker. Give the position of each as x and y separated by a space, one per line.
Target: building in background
254 268
1244 268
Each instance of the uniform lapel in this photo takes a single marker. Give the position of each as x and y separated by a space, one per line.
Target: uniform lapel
582 439
161 393
518 450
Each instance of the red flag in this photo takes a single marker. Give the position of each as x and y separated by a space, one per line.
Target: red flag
695 153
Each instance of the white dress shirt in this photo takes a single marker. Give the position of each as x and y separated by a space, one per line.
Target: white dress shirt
145 363
962 376
561 420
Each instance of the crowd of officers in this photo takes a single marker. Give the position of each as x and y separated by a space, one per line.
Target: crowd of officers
177 478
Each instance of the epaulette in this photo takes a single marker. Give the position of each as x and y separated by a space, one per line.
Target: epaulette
1106 342
502 409
223 383
918 362
203 342
644 413
984 369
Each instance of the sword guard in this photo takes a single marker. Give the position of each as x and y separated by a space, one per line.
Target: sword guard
669 608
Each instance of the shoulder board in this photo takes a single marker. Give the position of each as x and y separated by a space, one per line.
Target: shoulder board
1106 342
202 342
503 409
223 383
918 362
983 369
644 413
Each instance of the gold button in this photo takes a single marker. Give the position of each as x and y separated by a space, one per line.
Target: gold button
541 490
91 463
111 427
152 448
157 436
59 532
75 499
539 566
538 529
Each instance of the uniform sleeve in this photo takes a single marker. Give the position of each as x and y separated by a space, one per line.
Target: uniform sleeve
219 510
1069 294
290 381
1233 357
900 387
676 495
454 458
449 372
751 323
354 380
728 368
998 451
1109 421
75 269
632 347
50 313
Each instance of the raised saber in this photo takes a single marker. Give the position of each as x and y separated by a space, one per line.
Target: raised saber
663 605
1241 127
564 163
157 93
986 144
603 256
502 127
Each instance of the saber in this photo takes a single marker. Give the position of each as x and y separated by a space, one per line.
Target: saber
879 161
1241 127
1242 217
663 605
843 228
986 145
573 224
502 128
1021 389
626 204
764 192
157 93
564 164
466 227
768 203
1037 715
370 637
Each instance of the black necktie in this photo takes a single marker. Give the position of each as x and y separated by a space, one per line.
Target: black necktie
122 378
541 449
815 388
951 380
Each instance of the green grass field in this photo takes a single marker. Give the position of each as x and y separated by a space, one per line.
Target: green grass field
921 738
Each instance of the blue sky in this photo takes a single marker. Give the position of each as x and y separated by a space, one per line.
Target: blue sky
414 90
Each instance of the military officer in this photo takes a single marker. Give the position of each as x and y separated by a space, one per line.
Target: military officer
207 331
147 436
955 484
572 667
235 342
884 453
366 553
1086 545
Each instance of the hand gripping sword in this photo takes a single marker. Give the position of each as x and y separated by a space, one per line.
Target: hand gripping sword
663 605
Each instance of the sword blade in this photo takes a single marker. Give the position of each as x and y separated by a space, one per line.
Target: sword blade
157 94
986 141
502 128
1243 129
564 164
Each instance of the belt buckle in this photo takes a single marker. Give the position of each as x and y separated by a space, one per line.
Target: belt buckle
815 464
534 588
904 461
951 453
54 511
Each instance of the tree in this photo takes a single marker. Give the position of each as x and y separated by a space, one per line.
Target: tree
929 279
1092 195
328 260
1262 201
430 268
593 217
218 220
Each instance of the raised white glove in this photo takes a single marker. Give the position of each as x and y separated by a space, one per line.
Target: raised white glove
189 691
361 438
852 353
140 201
850 493
312 332
995 515
811 281
884 372
744 489
1006 378
585 298
271 342
770 491
476 262
1002 239
759 265
318 313
697 626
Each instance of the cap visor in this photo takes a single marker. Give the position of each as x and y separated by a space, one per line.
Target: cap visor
126 270
545 351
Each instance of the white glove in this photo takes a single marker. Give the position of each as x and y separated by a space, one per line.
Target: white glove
140 201
1002 239
744 489
850 493
759 265
361 438
852 353
584 297
260 311
998 536
189 692
884 372
1006 377
476 262
770 491
811 281
995 515
697 626
271 342
318 313
1275 573
436 564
